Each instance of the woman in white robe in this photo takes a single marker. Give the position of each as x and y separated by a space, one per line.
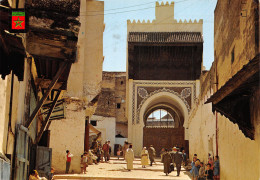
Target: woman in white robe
129 157
144 157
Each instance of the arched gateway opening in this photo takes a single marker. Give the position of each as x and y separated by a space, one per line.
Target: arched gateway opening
163 119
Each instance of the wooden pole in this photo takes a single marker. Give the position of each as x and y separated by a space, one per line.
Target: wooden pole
86 145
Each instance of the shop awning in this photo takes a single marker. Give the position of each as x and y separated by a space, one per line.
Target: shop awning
233 99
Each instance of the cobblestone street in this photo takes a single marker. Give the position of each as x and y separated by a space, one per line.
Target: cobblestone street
116 169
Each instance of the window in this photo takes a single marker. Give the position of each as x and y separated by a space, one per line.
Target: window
118 105
122 82
93 122
160 118
233 55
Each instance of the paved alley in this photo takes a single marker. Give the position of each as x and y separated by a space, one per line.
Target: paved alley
116 169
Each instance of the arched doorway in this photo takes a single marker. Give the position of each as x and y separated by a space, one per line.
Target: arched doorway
163 121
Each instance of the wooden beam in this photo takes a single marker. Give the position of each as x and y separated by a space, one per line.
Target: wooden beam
52 40
44 83
49 50
43 99
47 119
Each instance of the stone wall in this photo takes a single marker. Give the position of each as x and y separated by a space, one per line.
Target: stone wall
112 100
235 30
68 134
235 44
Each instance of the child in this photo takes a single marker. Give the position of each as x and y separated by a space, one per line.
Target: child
194 170
209 172
118 153
85 162
201 171
216 168
81 164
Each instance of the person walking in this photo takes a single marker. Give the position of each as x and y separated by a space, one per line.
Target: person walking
118 152
162 152
109 150
151 152
99 153
144 157
178 160
166 159
68 161
129 157
172 153
125 147
106 151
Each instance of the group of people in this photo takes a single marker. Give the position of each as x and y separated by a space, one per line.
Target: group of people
147 155
128 154
173 157
198 171
170 158
96 154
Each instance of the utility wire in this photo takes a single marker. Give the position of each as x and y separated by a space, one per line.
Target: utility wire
121 11
135 6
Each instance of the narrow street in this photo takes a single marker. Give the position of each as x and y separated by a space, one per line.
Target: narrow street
116 169
83 80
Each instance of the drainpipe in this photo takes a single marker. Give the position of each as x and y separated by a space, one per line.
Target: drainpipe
216 112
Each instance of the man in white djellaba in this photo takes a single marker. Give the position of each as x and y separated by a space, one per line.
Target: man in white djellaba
129 157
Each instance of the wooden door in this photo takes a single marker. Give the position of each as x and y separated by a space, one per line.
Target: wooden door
21 155
43 161
163 138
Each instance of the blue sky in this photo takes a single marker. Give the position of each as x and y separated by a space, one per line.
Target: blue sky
118 11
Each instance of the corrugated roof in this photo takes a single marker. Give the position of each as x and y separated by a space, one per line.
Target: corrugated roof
165 37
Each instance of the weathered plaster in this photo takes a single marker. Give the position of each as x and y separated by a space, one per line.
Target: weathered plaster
84 84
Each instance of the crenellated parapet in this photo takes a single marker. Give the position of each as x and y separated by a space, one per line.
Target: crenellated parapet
164 4
180 21
164 21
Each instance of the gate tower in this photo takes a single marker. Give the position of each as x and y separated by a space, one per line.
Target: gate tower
164 63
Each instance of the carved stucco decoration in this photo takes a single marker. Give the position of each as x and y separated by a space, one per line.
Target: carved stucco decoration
186 94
